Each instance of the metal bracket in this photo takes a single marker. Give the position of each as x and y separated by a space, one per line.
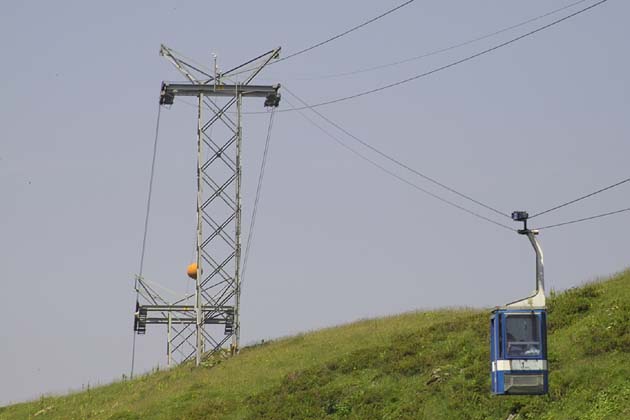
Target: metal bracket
537 299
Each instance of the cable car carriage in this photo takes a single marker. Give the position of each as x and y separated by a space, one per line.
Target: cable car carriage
518 336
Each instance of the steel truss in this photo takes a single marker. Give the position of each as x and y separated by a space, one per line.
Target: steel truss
202 323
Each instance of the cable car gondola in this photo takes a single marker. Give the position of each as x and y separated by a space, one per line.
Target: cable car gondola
518 335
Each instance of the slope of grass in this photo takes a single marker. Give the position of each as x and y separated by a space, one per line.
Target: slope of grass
431 365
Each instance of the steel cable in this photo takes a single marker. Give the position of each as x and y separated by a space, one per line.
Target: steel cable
319 44
146 229
395 175
449 48
584 219
446 66
261 177
581 198
394 160
326 41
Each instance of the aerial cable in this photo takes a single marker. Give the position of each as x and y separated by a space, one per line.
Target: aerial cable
146 228
584 219
581 198
446 49
367 22
326 41
261 177
447 66
393 174
394 160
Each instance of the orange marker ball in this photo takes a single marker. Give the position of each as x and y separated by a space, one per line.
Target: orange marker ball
192 271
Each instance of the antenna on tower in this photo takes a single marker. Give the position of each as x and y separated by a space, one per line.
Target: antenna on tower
216 69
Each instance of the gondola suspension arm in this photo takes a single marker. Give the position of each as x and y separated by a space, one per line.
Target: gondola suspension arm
537 299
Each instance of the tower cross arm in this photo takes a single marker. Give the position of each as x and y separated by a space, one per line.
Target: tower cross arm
170 90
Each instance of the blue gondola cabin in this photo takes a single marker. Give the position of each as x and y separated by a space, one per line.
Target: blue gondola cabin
518 351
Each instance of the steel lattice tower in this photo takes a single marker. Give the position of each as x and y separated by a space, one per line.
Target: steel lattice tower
207 320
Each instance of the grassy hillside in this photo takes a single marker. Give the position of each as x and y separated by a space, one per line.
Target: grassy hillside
431 365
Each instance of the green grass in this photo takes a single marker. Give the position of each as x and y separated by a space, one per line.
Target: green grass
424 365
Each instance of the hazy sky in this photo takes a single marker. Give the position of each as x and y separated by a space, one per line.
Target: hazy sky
526 127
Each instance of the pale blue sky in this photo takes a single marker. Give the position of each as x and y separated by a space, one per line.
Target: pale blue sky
526 127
